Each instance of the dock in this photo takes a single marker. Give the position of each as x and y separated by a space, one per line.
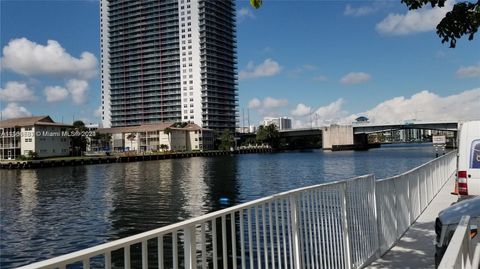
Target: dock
120 158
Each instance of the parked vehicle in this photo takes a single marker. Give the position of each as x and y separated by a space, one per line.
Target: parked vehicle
447 222
468 162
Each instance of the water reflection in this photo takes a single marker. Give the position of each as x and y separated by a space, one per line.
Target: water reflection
52 211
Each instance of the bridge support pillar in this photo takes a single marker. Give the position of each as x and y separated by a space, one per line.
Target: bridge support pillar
337 135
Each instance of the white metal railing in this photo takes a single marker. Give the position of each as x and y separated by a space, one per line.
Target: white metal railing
462 251
343 224
401 199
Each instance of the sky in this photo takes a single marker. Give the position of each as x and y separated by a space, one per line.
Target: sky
318 62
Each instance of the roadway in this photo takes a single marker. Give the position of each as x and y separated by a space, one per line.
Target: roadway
416 249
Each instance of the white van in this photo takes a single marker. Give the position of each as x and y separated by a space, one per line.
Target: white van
468 162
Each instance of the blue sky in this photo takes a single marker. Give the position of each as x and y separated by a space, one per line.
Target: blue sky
320 61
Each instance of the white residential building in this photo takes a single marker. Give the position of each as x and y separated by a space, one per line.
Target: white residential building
282 123
151 137
40 135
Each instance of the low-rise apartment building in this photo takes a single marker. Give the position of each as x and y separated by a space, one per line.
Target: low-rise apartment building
39 135
160 137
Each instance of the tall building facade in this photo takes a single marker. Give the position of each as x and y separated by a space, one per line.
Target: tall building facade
168 61
282 123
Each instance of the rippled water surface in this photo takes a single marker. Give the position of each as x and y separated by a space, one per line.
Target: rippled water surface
53 211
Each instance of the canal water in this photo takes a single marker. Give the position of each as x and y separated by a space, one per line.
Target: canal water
52 211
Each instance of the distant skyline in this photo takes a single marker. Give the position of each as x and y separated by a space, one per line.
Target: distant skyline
314 61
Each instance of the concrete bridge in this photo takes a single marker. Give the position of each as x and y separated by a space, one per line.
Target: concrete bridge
356 135
376 128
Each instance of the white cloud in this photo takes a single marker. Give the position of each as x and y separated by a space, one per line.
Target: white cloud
29 58
268 107
425 106
78 90
324 115
266 69
254 103
245 13
13 110
414 21
320 78
355 78
301 110
422 106
469 71
359 11
270 102
55 93
17 92
330 113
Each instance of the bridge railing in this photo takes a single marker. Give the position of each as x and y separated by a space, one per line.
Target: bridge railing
343 224
402 198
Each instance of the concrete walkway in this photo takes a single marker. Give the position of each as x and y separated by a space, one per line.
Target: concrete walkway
416 248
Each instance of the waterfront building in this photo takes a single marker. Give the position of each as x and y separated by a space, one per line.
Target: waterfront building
38 135
282 123
168 61
159 137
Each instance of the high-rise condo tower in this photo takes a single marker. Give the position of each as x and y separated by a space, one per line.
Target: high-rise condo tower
168 61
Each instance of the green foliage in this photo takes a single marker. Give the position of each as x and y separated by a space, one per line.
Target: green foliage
163 147
79 125
131 136
180 124
249 141
256 3
463 20
78 142
226 140
31 155
268 134
167 131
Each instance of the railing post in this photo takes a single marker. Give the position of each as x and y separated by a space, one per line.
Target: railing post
346 236
190 248
294 223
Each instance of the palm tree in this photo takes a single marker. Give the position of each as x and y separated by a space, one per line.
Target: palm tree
131 137
168 131
163 147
